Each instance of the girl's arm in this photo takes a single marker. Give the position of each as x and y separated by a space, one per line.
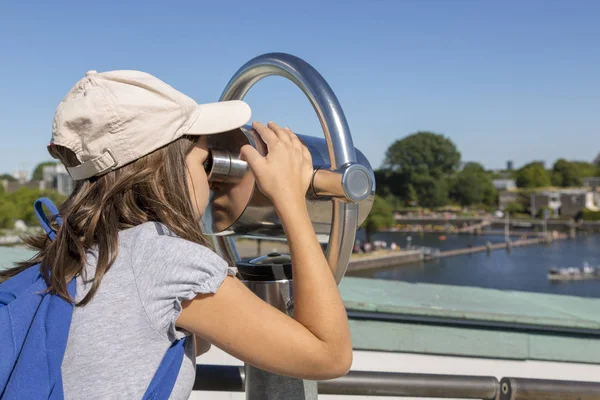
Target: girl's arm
315 344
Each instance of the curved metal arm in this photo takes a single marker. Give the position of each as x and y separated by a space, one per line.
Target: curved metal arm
335 128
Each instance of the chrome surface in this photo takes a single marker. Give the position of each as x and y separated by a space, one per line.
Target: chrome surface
366 383
259 384
340 148
223 167
540 389
231 379
238 207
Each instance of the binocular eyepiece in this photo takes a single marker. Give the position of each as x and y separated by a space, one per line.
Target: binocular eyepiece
222 167
351 184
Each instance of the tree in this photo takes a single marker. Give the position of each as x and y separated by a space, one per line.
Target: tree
473 185
7 177
431 192
22 203
8 215
412 198
423 153
533 175
38 172
515 208
586 169
381 216
566 173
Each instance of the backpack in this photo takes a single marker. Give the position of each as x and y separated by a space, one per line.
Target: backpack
34 328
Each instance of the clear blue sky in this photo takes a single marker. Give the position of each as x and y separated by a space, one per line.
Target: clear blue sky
505 80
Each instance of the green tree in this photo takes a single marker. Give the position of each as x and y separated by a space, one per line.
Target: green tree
423 153
586 169
381 216
533 175
8 214
7 177
515 208
412 198
473 185
22 200
38 172
431 192
566 173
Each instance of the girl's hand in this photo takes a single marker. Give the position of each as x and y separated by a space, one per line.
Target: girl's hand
284 174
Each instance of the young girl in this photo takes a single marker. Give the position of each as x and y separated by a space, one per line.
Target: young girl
132 239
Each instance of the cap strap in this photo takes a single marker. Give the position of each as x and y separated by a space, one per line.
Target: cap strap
92 167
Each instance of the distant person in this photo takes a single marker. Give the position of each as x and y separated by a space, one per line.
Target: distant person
145 273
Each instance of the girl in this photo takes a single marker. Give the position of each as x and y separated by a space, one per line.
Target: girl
132 239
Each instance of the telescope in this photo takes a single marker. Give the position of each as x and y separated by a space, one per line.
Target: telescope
338 200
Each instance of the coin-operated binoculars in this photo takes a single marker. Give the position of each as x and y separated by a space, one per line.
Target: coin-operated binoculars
339 199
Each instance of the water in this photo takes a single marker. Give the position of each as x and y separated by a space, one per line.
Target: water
523 269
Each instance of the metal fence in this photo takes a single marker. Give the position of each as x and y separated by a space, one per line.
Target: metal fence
368 383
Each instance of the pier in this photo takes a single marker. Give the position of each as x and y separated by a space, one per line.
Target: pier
494 246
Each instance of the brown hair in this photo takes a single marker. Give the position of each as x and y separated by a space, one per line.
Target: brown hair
152 188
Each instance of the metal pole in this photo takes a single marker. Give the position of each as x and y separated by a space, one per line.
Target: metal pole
366 383
539 389
263 385
363 383
506 226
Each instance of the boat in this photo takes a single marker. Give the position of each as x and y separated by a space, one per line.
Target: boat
574 273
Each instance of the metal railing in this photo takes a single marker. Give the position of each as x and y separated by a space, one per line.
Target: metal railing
367 383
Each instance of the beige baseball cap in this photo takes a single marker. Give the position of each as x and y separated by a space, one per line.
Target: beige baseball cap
110 119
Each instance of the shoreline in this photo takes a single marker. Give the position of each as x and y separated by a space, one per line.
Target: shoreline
380 261
380 258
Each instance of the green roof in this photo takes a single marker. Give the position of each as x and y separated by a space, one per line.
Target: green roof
470 303
459 321
471 322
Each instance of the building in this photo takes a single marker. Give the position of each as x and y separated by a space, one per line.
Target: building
572 202
13 186
542 200
22 176
504 184
57 178
563 202
509 165
591 182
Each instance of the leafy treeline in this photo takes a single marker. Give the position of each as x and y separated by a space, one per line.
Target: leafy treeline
425 169
18 205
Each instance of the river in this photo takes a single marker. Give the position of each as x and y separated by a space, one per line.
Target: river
523 269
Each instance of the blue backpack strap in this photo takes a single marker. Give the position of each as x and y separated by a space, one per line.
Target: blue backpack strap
165 377
41 215
38 323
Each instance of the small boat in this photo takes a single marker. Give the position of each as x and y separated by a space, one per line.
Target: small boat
574 273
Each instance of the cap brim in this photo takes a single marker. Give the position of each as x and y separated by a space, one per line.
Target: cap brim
222 116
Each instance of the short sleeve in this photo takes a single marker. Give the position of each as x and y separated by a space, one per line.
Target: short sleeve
168 270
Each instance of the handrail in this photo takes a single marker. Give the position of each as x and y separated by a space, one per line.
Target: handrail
367 383
225 378
231 379
532 389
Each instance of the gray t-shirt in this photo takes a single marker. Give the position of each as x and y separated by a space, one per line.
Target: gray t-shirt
117 341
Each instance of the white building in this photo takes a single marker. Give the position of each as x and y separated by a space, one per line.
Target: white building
504 184
22 176
56 177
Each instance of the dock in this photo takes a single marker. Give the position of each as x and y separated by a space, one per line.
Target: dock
494 246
